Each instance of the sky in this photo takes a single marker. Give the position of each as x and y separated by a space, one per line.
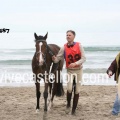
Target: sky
96 22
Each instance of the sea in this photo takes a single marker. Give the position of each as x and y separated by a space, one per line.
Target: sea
16 70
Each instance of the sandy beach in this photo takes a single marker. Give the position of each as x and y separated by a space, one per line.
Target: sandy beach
19 103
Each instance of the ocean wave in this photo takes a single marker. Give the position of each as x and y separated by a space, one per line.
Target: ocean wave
102 49
17 51
95 70
87 48
15 62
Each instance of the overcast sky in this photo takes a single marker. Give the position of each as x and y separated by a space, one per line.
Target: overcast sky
97 20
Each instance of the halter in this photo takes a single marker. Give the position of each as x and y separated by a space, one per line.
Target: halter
44 55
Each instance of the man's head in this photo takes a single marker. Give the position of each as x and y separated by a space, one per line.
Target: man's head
70 35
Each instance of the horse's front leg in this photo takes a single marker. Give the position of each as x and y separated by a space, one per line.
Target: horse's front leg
53 92
38 94
45 94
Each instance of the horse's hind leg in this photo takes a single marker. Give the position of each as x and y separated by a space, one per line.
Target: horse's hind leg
50 92
37 95
45 96
53 91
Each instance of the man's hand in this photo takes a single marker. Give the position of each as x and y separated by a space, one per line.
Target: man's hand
109 73
53 57
72 65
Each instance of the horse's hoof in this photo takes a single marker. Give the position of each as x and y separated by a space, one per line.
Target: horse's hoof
49 106
52 104
37 110
73 112
67 111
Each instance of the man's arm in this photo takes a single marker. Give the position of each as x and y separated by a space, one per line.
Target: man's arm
112 69
59 56
83 58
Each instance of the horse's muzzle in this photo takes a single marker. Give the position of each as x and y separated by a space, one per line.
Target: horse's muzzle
40 63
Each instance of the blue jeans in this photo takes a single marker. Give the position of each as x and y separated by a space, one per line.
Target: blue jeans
116 106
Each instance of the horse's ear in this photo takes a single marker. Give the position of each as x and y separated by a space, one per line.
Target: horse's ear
35 35
45 37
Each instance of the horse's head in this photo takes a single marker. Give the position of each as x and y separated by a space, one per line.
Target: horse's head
41 48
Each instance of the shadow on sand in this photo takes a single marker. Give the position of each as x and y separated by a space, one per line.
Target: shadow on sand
42 116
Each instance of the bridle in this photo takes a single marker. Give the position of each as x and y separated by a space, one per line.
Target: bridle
41 55
47 50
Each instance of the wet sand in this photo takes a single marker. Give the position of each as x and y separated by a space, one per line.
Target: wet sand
19 103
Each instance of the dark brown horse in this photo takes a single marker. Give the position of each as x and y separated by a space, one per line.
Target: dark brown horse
41 64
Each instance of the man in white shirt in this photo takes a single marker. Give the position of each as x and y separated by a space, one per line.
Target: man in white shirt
73 53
